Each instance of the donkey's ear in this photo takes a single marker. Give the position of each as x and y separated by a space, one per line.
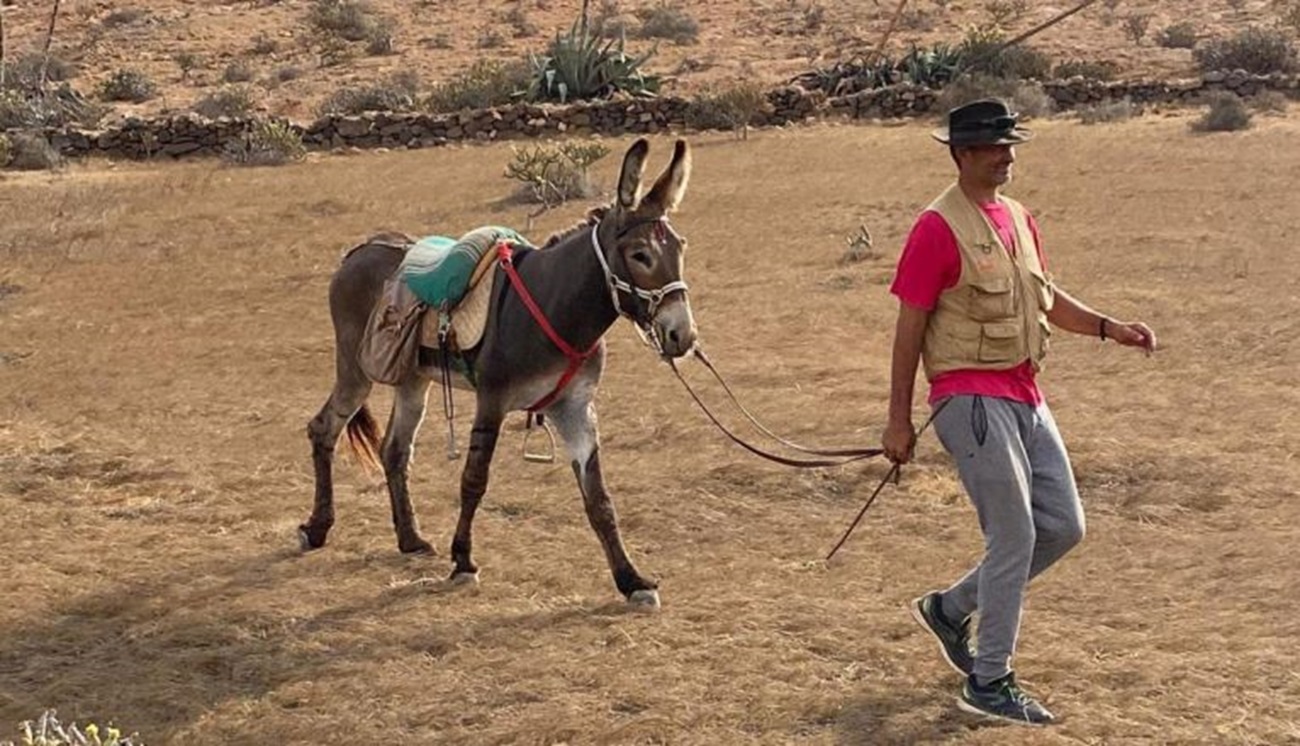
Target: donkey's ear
629 179
668 190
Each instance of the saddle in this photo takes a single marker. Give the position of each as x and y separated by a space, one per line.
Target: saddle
453 280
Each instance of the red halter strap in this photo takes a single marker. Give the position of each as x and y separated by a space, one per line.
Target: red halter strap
575 358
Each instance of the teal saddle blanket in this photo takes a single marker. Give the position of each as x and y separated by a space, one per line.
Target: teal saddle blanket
438 269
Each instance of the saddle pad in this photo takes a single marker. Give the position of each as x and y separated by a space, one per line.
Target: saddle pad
439 269
469 317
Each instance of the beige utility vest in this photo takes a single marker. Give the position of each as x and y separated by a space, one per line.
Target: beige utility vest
995 317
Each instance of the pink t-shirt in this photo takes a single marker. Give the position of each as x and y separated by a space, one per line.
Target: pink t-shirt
930 264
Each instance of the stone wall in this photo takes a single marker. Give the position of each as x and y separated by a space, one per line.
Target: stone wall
192 135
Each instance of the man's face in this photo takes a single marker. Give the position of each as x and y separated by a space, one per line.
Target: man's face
987 165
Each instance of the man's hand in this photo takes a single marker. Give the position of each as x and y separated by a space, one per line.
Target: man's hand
898 441
1132 334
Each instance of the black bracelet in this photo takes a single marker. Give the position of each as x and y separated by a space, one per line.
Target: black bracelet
1102 331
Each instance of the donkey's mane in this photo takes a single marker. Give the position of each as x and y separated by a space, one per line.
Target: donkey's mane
593 216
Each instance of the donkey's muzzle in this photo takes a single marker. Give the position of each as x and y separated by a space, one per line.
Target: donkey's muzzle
675 328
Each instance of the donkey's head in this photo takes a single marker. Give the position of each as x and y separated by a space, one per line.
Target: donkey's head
643 253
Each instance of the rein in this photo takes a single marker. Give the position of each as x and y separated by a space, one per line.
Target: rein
838 456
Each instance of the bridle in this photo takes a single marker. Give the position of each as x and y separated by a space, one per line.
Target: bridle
649 300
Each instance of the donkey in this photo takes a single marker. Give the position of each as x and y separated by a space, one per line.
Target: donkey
624 259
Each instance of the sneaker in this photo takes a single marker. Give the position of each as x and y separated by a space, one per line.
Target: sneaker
1003 699
954 639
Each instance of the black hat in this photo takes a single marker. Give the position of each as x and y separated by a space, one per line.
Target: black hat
984 122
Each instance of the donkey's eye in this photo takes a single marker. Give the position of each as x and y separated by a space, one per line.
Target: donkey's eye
642 257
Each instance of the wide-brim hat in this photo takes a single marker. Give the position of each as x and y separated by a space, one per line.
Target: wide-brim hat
984 122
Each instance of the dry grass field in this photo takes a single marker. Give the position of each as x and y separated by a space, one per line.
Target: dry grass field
164 340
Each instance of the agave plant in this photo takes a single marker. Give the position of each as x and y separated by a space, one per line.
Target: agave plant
932 67
580 66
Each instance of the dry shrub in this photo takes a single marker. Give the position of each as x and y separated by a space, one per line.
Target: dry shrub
1136 25
397 93
1027 98
237 72
30 151
382 38
1226 113
1109 111
1255 50
269 143
1180 35
233 102
5 149
128 85
520 23
1088 69
550 174
668 21
352 20
1269 102
486 83
124 17
25 71
733 108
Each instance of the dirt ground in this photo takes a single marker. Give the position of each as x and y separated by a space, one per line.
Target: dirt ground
164 340
766 40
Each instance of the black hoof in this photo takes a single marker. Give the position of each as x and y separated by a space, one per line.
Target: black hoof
416 546
310 537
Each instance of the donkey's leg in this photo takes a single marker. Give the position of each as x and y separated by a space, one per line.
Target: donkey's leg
399 444
576 422
324 429
473 483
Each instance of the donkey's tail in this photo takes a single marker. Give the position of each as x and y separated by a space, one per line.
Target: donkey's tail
364 438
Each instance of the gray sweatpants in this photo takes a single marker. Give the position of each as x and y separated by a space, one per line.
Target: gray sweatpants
1014 467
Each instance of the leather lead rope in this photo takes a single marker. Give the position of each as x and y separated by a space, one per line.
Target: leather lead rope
893 473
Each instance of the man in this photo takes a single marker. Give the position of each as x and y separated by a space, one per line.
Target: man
975 306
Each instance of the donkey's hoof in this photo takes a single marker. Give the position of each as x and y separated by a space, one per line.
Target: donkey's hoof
417 546
644 600
308 542
464 578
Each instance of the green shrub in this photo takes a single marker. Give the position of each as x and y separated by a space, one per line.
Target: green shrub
128 85
555 173
1180 35
267 143
1255 50
1091 70
733 108
486 83
233 102
580 66
1226 113
932 67
5 149
668 21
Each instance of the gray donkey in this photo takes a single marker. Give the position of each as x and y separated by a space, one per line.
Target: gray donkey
542 356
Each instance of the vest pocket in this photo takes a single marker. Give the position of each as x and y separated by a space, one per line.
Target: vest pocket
992 298
1000 343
